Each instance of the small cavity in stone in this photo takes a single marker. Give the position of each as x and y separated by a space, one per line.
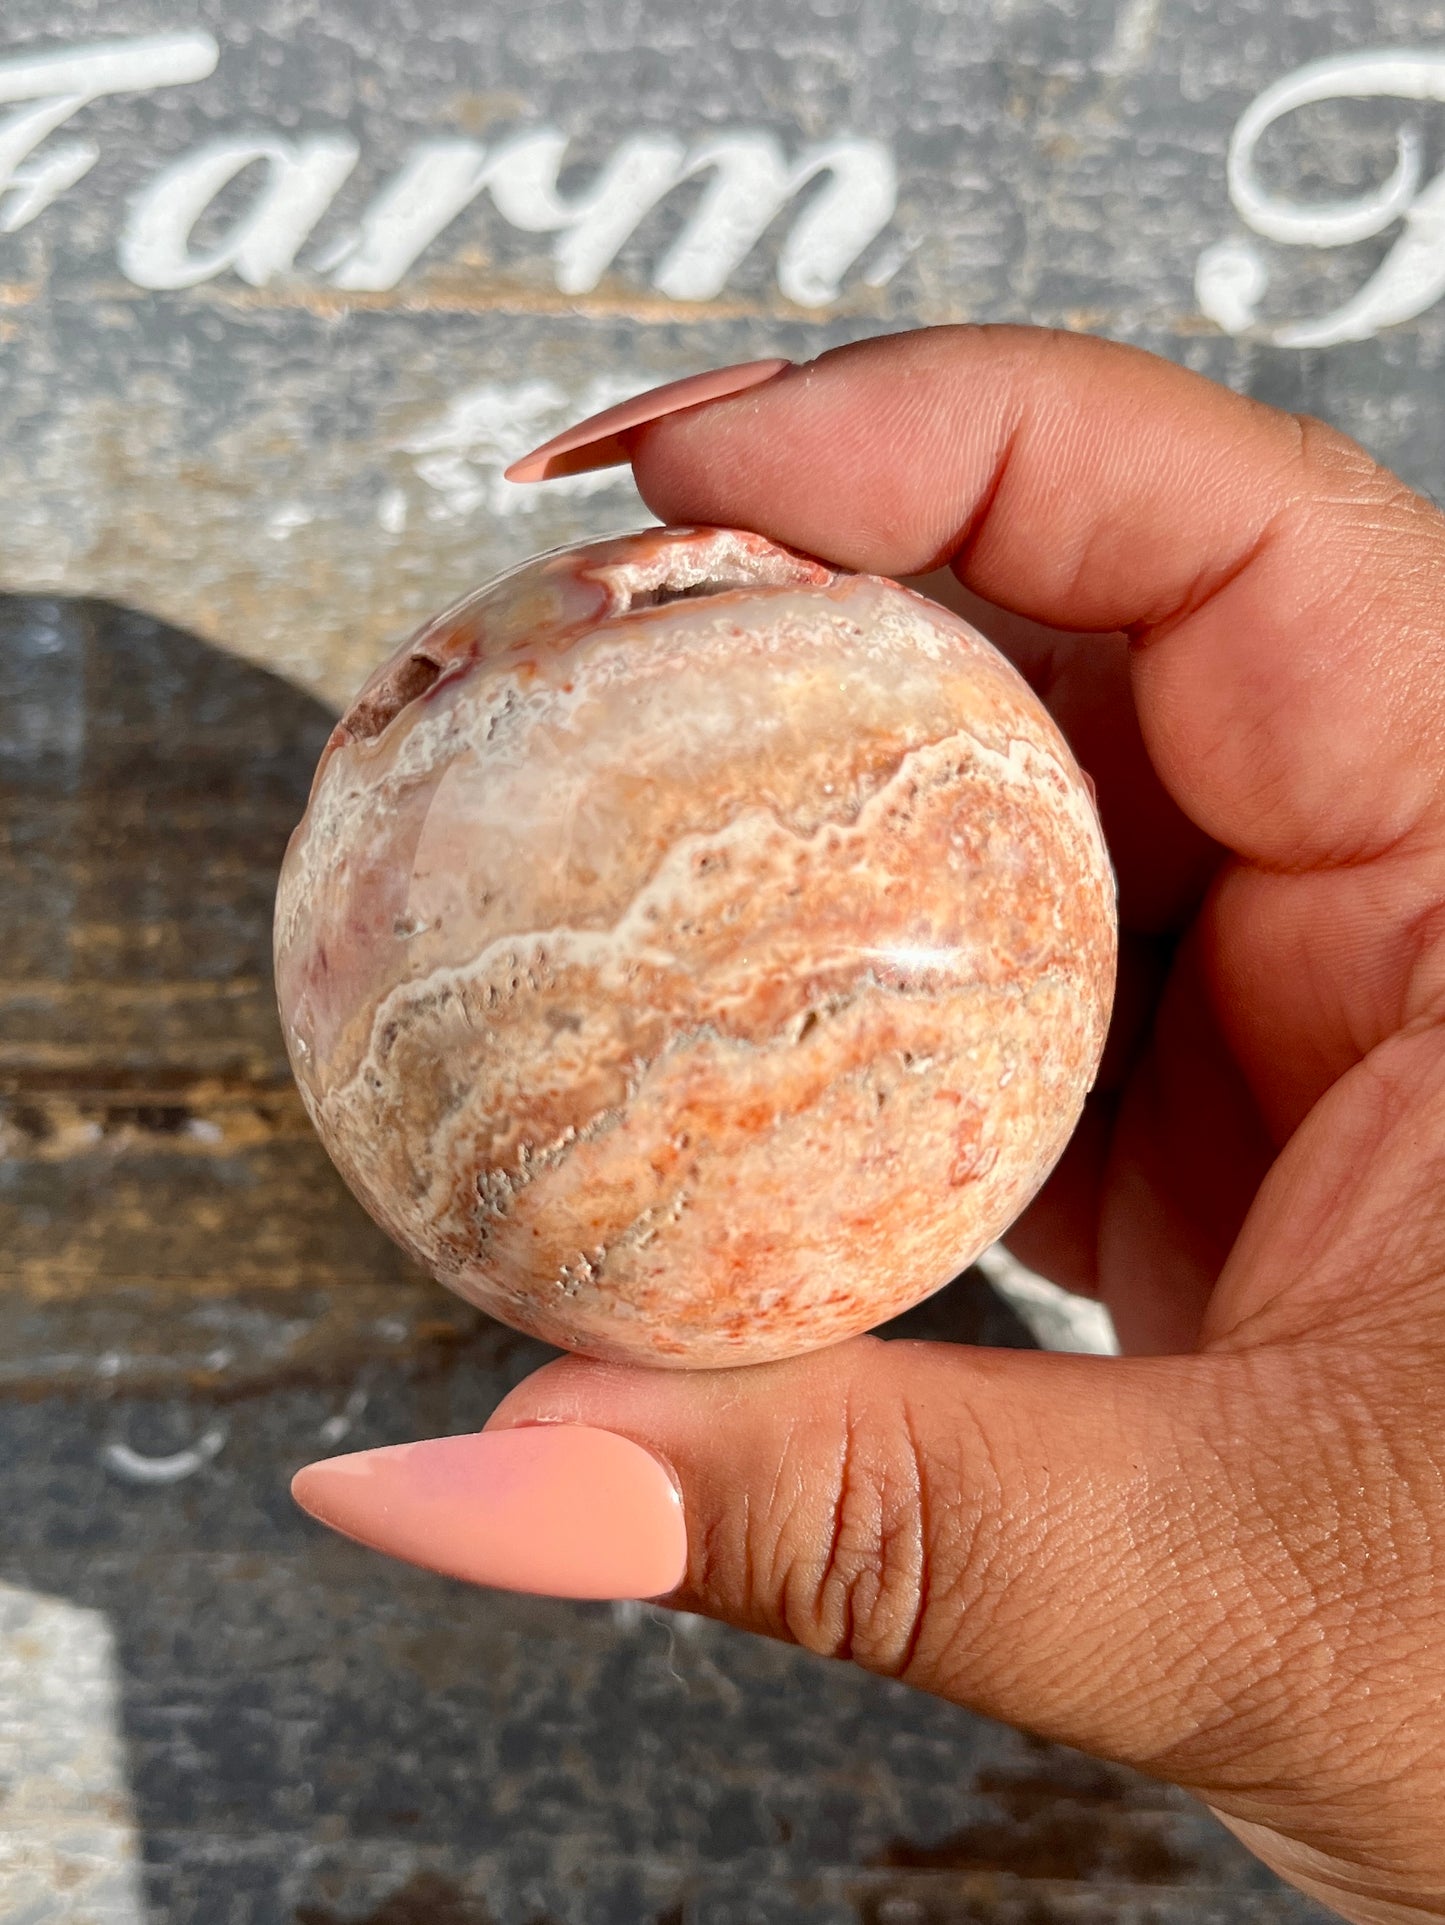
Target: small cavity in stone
376 711
667 592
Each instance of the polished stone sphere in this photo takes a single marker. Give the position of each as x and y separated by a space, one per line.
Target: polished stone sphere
694 954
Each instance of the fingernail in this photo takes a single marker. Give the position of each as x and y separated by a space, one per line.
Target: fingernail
560 1510
598 441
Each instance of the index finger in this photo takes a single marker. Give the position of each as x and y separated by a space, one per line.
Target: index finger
1282 589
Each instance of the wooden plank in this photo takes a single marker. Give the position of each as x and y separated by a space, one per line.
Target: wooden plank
166 1213
303 469
193 1305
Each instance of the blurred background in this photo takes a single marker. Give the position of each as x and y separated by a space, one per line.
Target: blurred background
283 286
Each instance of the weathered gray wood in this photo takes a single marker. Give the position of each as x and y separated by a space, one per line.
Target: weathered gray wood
300 469
294 1732
166 1214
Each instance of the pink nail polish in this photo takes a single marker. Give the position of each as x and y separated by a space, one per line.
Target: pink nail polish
560 1510
598 441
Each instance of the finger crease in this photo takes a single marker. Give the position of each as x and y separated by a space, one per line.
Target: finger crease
918 1611
959 551
1206 588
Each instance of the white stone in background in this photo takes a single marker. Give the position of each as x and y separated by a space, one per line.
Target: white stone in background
68 1843
1055 1318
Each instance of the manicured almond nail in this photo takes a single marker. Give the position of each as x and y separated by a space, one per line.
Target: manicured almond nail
561 1510
598 441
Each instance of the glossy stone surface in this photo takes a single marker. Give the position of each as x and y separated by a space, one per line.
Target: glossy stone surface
694 954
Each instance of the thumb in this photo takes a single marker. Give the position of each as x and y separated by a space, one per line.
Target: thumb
1051 1540
1218 1568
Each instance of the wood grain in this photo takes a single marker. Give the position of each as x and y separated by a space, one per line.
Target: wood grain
193 1305
165 1209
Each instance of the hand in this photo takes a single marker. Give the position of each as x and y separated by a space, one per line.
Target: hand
1221 1558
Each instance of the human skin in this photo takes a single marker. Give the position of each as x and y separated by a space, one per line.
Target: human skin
1220 1558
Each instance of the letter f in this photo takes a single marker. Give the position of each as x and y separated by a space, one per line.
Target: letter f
57 85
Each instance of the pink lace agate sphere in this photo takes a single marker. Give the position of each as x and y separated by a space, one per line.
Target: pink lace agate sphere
694 954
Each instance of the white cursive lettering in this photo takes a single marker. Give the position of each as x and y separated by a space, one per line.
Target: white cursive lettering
59 85
752 182
302 180
1233 276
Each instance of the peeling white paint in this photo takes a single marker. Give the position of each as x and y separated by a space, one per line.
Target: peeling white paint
1229 282
460 457
1136 27
392 510
890 259
283 521
69 1845
336 1428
